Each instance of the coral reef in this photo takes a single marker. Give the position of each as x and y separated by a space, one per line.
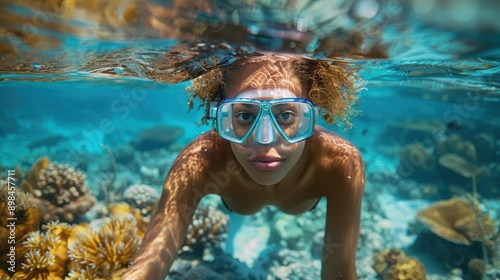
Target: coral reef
297 232
107 250
26 219
62 190
454 232
455 220
123 209
207 230
141 197
157 138
78 252
289 264
455 160
47 256
393 264
406 268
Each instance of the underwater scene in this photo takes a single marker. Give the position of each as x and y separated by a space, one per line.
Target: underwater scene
95 113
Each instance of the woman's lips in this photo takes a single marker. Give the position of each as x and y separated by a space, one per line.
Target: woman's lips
266 162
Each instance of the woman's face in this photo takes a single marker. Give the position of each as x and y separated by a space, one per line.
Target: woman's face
267 164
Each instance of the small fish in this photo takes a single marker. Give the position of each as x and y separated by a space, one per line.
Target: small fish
454 125
364 132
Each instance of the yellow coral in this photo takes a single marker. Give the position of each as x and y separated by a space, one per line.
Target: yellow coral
122 209
86 273
393 264
47 256
38 261
30 181
455 220
107 250
406 268
384 259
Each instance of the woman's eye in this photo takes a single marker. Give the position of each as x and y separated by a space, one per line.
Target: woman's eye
244 117
286 117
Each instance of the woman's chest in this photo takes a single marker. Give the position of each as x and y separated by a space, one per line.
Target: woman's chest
292 199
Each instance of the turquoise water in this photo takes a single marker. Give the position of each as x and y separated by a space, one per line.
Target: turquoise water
75 88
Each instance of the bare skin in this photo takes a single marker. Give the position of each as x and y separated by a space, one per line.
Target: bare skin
324 165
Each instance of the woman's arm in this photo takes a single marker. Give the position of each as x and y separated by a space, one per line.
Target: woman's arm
180 197
343 216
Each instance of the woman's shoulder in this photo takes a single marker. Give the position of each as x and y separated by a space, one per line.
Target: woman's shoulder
207 145
327 139
337 160
332 147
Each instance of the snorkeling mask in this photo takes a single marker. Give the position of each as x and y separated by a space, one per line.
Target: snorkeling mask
238 118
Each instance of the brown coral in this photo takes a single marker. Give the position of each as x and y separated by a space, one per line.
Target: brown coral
209 228
61 189
455 220
108 249
477 267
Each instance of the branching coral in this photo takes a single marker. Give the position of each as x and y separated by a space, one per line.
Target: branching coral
123 209
107 250
61 189
47 256
208 229
141 197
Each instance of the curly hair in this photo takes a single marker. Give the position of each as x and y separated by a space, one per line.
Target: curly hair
332 85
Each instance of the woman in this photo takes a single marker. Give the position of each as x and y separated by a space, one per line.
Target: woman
267 150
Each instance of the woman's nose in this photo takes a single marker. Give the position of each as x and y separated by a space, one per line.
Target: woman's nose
265 132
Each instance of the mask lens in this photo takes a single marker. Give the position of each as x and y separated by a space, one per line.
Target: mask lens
236 119
294 119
